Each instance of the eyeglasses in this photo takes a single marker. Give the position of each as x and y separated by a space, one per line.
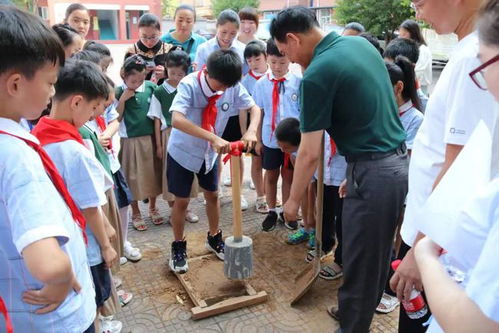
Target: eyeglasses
478 74
152 38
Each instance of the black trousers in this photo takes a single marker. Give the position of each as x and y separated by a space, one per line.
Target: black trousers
331 222
376 191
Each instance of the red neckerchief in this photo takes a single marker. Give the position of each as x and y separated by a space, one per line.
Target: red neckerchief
50 130
209 116
101 123
401 113
8 322
275 101
287 159
253 75
333 150
57 180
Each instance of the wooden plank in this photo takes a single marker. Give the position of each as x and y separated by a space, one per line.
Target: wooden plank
190 291
249 289
228 305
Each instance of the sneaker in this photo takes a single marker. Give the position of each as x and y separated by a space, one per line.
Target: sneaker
178 257
227 182
131 253
291 225
123 260
216 244
110 326
191 217
261 205
311 239
244 203
124 297
270 221
298 237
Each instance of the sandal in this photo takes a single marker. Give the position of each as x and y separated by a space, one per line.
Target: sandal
124 297
155 216
328 272
138 223
387 304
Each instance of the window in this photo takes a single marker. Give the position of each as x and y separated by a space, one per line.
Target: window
324 16
43 12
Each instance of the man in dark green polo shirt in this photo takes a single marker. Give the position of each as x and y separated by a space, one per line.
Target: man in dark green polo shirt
347 92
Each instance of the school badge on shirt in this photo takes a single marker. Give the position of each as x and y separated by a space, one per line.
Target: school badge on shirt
294 97
225 106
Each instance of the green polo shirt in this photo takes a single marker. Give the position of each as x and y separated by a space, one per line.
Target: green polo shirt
165 98
135 118
347 92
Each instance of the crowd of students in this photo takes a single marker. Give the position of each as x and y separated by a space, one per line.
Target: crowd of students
68 195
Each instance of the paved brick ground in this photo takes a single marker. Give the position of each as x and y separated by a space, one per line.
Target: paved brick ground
160 303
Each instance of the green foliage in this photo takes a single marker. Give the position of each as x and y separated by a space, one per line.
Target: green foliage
168 7
236 5
379 17
29 5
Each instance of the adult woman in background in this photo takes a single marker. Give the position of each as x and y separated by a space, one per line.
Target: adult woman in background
409 29
182 35
473 306
249 25
78 17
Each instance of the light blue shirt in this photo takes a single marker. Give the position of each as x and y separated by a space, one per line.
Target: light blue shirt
86 180
31 209
210 46
196 41
411 119
289 104
249 82
335 167
191 99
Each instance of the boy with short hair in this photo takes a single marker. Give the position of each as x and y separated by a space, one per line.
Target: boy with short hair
255 55
199 115
409 49
41 238
277 94
81 88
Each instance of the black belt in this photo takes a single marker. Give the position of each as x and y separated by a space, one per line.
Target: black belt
401 150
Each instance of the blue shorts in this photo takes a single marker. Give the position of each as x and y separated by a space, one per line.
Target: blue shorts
180 179
273 158
102 283
121 189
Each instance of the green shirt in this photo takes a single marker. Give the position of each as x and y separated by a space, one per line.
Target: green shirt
87 134
347 92
165 98
135 114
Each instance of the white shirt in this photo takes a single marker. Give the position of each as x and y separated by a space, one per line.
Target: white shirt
204 50
335 167
289 103
191 99
31 209
453 111
86 180
423 68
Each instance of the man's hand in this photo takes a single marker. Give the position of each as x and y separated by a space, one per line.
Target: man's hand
220 145
342 191
406 277
109 255
249 138
51 295
290 210
127 94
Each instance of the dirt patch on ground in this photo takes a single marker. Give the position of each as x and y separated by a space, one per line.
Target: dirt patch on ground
196 244
207 278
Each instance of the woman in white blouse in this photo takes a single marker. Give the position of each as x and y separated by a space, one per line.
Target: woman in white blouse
410 29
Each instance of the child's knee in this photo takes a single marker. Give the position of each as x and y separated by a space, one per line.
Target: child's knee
272 176
211 196
181 203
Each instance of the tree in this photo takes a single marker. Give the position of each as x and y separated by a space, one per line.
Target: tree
168 7
379 17
236 5
29 5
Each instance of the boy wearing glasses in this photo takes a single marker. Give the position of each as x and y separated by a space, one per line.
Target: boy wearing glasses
453 111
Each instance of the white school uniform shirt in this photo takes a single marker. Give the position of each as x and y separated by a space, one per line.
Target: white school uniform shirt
249 81
191 99
204 50
86 180
453 111
155 109
424 67
411 118
31 209
289 104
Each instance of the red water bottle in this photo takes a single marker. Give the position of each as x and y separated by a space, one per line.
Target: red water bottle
416 307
